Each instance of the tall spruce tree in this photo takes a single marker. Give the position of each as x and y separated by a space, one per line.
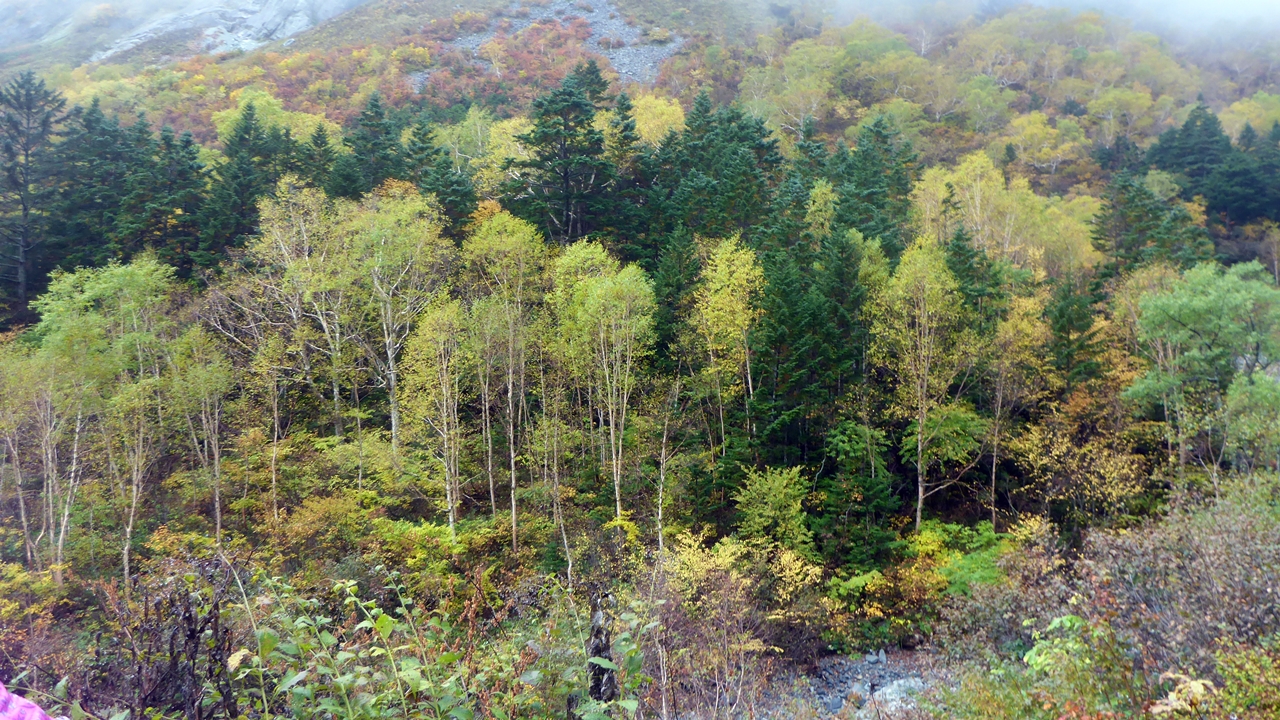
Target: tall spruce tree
432 170
558 189
317 157
619 206
231 213
1268 157
716 178
30 113
375 147
588 78
137 184
981 282
346 178
94 162
874 181
1135 227
164 201
1193 151
1238 189
1074 346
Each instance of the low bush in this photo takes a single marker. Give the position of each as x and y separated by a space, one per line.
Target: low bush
1206 571
1176 617
1076 669
903 604
1032 588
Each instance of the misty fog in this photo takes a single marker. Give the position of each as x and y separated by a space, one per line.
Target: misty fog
94 30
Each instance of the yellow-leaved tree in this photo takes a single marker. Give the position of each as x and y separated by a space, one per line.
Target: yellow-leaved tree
505 258
605 318
725 311
921 339
1017 369
436 364
656 116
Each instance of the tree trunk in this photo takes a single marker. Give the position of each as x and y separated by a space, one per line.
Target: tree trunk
275 452
488 443
920 465
995 459
68 501
22 504
511 445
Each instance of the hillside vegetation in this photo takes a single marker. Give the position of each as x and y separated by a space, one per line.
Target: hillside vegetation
429 370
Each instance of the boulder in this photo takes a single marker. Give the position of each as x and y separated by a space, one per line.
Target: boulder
892 700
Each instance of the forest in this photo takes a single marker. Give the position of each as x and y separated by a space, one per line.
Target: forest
378 380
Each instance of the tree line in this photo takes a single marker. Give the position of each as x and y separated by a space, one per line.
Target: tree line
315 339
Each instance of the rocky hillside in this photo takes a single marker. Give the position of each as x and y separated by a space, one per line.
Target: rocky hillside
76 32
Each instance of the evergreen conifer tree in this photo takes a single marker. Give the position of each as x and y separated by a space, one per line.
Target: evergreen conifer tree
1193 151
317 157
30 113
568 167
981 282
1135 227
1238 189
94 164
375 145
164 202
432 170
587 77
874 182
1248 139
1074 344
138 188
346 178
231 213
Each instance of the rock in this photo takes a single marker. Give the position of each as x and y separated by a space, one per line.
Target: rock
881 656
833 704
229 25
892 700
872 658
623 45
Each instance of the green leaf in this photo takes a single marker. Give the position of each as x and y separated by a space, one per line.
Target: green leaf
294 680
629 705
60 690
606 664
450 658
499 713
384 625
122 715
531 677
461 713
77 712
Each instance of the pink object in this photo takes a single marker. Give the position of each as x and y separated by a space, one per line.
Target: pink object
13 707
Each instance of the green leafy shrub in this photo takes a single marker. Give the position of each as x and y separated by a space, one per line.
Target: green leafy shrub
1031 585
1075 669
770 506
901 604
1250 680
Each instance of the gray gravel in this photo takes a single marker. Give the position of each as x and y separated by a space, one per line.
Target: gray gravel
836 684
635 61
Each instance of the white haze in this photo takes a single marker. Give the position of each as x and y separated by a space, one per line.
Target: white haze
1193 21
1190 19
